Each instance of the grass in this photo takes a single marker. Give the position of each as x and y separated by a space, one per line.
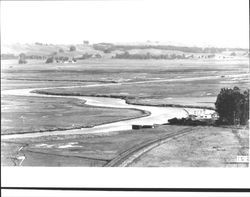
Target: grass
121 70
202 147
206 147
188 93
27 83
37 114
101 148
200 93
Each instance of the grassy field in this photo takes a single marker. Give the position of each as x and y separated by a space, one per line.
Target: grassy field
38 114
100 148
203 146
121 70
206 147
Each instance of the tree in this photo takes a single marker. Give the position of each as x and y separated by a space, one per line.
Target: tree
49 60
22 59
72 48
233 106
85 42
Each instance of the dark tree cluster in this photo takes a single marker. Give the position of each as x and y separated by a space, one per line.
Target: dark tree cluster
127 55
61 58
232 105
37 57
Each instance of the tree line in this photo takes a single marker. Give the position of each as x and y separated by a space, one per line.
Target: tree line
127 55
109 47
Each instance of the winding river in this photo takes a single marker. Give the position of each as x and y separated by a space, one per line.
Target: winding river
158 115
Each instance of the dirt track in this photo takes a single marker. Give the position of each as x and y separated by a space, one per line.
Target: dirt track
127 157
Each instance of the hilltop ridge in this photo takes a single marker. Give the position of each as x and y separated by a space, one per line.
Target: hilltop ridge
147 50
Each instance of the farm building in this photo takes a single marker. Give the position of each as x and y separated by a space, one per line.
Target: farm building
143 126
203 114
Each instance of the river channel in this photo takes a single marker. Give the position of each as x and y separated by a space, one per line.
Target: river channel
158 115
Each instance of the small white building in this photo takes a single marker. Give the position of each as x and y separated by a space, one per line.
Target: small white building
203 114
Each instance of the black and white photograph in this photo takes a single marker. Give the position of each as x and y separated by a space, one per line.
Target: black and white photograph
152 85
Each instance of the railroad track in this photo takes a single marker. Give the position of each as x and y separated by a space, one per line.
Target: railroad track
130 155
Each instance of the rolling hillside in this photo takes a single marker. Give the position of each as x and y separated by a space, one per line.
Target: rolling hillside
109 50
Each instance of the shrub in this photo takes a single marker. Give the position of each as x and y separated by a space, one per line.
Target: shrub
85 56
190 122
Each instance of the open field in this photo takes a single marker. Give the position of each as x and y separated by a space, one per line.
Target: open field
202 146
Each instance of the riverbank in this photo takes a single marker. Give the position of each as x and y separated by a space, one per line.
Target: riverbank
128 99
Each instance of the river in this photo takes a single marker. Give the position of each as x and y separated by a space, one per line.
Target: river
158 115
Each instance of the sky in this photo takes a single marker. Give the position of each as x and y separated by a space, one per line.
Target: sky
221 23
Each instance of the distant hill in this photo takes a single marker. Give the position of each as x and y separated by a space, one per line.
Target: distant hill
121 51
45 49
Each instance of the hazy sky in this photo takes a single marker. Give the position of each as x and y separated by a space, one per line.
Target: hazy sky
189 22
